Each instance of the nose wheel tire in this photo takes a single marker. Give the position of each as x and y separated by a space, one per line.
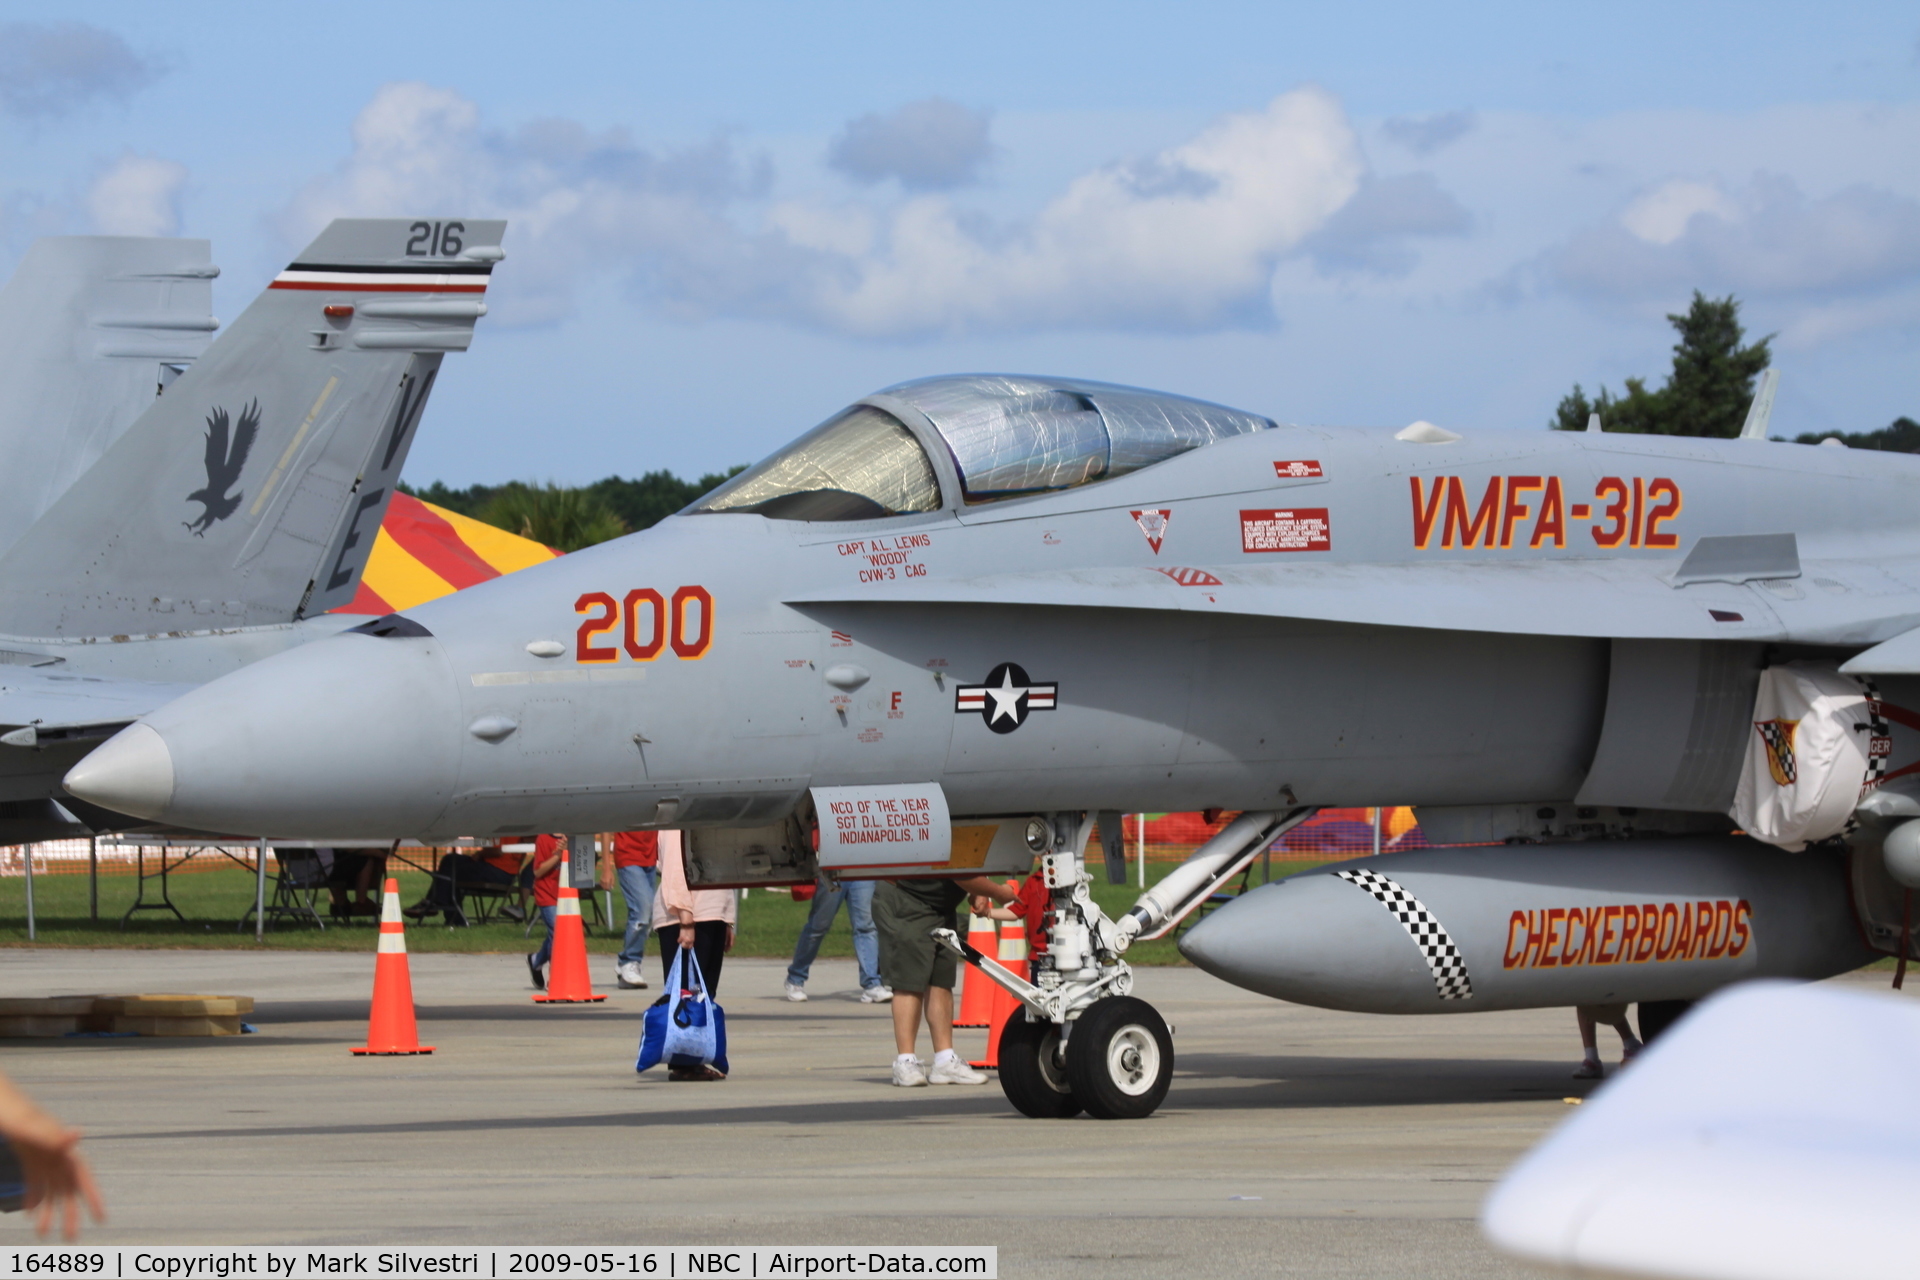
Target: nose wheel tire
1120 1059
1032 1074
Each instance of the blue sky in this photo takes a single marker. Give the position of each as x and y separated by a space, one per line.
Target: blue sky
730 219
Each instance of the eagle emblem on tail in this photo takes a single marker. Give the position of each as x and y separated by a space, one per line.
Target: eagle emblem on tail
227 450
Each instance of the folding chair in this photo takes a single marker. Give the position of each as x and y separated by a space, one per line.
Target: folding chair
481 903
302 876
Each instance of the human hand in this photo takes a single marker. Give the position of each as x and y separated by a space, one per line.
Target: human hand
56 1178
686 937
729 946
57 1181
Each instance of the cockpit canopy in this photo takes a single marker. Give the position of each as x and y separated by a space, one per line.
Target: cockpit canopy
1008 436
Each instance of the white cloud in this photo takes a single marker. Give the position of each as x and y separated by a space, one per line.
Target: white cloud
1184 239
137 196
54 68
581 205
1662 214
1767 238
930 145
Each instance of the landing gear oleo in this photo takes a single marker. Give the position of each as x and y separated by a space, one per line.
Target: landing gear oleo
1083 1041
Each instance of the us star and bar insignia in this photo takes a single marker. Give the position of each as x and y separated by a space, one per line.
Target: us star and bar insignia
1006 698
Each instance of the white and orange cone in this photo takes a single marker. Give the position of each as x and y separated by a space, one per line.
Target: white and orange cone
976 988
1013 955
567 979
390 1026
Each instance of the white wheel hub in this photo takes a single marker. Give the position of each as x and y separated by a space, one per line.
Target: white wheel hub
1133 1059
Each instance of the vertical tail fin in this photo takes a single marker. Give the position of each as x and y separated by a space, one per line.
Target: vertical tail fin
91 328
251 492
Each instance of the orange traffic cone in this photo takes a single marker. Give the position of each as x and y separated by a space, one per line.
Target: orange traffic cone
977 989
390 1027
567 980
1013 956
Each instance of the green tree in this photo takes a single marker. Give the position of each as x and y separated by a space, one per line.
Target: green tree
1902 435
466 502
1707 392
640 504
565 519
645 502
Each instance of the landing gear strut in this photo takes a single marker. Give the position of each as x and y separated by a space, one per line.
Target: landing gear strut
1082 1042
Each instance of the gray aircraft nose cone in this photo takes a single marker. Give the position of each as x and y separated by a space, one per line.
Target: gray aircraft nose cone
354 736
131 772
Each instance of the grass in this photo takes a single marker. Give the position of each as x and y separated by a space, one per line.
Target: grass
213 903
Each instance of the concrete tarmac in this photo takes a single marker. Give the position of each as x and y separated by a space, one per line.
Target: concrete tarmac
1295 1141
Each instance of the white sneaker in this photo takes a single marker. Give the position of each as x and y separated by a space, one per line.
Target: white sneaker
796 993
631 976
954 1071
910 1072
879 993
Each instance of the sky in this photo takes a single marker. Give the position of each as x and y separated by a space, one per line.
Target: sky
728 220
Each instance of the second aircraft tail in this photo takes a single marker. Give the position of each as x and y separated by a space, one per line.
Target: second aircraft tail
251 491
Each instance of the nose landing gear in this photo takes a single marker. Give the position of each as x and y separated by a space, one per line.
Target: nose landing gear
1082 1041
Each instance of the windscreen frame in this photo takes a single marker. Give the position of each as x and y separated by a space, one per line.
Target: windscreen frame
939 463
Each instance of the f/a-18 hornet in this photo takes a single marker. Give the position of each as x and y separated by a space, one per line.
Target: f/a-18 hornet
957 623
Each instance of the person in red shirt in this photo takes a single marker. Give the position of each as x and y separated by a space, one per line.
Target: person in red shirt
636 863
548 852
1033 905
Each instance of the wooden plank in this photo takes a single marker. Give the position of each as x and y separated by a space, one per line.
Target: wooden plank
191 1026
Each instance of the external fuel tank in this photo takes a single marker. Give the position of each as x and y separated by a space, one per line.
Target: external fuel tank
1516 926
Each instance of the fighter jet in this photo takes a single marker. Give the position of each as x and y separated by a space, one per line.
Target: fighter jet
221 522
949 628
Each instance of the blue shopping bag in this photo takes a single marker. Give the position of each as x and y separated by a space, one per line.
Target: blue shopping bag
684 1027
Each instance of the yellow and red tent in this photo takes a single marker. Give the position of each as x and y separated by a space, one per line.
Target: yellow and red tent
424 552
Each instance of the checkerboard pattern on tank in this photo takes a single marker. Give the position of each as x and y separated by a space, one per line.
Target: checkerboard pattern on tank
1879 736
1444 961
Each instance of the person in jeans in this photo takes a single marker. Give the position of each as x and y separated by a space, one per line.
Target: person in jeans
548 852
636 863
827 897
697 920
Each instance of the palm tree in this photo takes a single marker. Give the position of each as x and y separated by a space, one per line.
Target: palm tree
564 519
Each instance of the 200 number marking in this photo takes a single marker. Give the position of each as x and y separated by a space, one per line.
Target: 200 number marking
647 623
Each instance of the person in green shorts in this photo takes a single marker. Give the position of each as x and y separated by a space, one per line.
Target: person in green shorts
922 973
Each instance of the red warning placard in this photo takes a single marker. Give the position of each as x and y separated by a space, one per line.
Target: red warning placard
1297 529
1296 470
